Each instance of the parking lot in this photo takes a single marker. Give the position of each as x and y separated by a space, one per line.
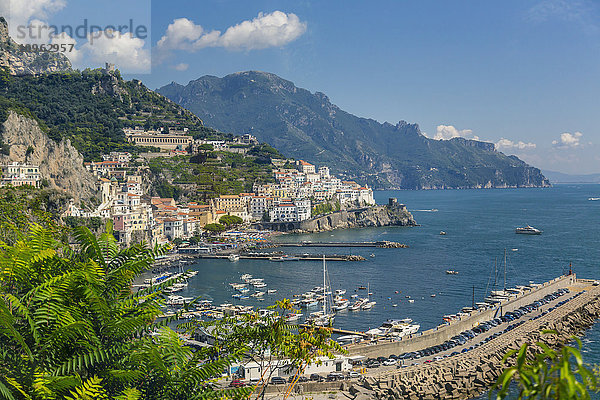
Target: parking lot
472 338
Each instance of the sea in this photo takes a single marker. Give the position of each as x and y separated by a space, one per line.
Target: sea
480 244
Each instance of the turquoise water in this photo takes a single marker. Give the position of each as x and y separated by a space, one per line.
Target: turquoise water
480 226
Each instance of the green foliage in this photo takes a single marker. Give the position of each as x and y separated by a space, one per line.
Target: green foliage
230 173
215 228
165 190
547 374
19 206
70 327
323 208
206 147
230 220
91 108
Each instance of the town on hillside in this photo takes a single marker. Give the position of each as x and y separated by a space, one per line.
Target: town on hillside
300 191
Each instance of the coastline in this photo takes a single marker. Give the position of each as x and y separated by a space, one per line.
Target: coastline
391 214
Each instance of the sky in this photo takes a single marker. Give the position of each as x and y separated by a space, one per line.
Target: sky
521 74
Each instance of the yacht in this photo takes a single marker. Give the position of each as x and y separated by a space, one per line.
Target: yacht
451 272
528 230
246 277
233 257
399 327
340 292
368 305
339 306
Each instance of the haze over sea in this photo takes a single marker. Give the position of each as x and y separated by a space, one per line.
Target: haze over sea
479 224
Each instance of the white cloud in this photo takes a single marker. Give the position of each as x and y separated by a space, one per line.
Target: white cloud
21 12
509 144
181 67
122 49
568 140
275 29
447 132
71 52
266 30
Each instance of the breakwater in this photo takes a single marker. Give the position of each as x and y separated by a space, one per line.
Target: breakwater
468 374
384 244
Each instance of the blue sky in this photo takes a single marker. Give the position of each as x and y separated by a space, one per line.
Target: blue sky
522 74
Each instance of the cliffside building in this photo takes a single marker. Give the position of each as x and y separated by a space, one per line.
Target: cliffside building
17 174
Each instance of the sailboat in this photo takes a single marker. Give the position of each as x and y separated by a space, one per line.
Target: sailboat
498 296
325 316
368 304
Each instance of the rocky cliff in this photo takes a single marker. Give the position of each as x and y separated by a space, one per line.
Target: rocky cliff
61 165
28 63
388 215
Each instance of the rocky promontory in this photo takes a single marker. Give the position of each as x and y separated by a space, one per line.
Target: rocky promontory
391 214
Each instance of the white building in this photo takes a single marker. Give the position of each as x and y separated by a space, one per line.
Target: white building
17 174
282 368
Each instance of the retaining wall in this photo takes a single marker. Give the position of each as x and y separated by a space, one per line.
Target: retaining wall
441 334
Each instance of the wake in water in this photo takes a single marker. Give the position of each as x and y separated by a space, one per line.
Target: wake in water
432 210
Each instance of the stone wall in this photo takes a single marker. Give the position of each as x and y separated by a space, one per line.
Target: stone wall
435 336
467 375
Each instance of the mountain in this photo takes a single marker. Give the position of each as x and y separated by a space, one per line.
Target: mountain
559 177
21 62
307 125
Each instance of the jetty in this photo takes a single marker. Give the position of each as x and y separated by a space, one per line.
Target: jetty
297 257
468 374
384 244
338 331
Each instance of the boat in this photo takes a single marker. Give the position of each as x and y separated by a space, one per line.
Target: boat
399 327
362 288
433 295
246 277
594 198
442 233
340 306
451 272
356 306
271 291
368 305
291 317
233 257
257 294
340 292
411 301
528 230
325 316
372 255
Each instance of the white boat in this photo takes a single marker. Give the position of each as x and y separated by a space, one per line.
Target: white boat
246 277
293 317
259 285
339 307
399 327
271 291
175 300
306 303
257 294
356 306
528 230
451 272
340 292
233 257
368 305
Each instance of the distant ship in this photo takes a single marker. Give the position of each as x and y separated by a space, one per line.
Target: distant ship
528 230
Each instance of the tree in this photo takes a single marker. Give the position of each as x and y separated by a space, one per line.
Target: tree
230 220
214 228
70 327
547 374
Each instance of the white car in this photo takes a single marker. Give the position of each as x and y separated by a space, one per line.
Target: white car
389 361
353 374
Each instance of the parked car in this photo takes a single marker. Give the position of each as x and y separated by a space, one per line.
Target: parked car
237 383
353 374
316 377
277 380
389 361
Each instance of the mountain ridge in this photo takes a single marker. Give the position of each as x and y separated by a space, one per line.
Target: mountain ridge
307 125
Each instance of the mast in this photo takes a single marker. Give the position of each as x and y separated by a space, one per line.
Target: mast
324 289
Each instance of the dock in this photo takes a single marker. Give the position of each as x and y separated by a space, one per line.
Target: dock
380 244
338 331
299 257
